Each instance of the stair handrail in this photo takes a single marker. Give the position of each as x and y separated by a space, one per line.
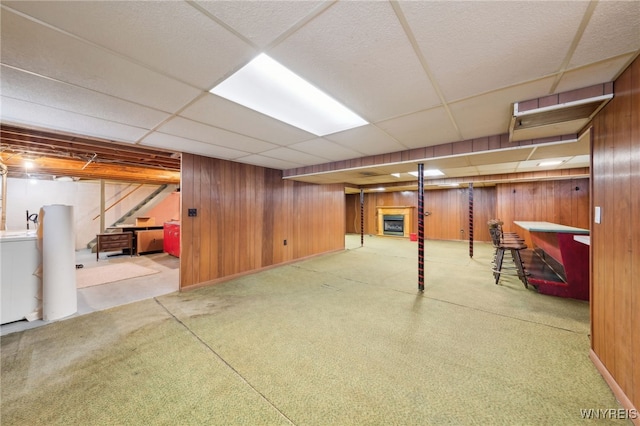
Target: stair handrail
119 201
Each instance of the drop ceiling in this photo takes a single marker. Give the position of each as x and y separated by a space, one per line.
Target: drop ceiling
422 73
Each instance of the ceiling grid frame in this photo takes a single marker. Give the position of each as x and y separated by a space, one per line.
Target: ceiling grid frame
408 126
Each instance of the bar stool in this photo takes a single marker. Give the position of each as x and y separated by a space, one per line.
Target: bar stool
514 244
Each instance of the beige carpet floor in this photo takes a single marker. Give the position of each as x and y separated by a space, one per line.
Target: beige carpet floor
87 277
340 339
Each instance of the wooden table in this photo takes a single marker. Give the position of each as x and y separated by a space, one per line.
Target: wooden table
555 245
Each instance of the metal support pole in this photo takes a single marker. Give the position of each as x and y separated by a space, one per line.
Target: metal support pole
361 217
421 227
471 219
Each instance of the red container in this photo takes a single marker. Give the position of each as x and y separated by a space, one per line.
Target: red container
172 238
413 237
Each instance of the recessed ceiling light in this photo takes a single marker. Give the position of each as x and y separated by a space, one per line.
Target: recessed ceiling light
550 163
431 172
380 189
395 175
266 86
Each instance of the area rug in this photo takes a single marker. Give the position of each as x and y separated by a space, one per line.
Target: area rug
87 277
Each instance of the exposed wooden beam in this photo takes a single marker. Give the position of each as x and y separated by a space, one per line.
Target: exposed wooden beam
56 154
74 168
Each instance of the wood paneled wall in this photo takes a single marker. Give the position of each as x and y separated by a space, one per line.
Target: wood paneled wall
449 210
615 241
449 213
244 215
561 201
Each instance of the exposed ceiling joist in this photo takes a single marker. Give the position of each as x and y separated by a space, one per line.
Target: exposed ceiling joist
57 155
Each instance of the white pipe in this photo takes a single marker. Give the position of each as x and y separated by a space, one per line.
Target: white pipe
3 220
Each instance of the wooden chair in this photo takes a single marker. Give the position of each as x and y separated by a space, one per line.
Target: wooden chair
514 244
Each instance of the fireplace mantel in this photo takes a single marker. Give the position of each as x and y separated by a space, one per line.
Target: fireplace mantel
407 211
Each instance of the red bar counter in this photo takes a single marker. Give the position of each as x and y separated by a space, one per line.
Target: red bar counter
554 244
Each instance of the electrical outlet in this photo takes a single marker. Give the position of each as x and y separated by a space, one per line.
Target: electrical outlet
285 242
192 212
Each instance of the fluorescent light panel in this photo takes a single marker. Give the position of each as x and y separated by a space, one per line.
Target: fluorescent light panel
550 163
430 172
266 86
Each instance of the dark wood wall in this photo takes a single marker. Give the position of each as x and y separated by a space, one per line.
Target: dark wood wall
556 201
244 215
615 241
560 201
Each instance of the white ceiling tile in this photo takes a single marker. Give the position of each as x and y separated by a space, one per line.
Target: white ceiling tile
358 53
179 144
32 88
532 165
170 36
614 29
601 72
498 168
22 113
491 113
113 70
461 171
475 47
442 163
261 21
511 156
368 140
424 128
189 129
565 149
41 50
219 112
325 149
293 156
273 163
579 161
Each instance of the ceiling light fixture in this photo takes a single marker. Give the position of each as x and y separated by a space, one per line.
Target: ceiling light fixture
430 173
395 175
266 86
550 163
